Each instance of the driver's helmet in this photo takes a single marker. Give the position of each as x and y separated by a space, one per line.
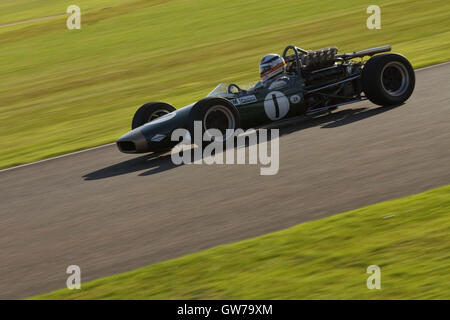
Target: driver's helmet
271 65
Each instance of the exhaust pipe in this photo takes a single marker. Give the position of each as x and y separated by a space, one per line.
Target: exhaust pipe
365 52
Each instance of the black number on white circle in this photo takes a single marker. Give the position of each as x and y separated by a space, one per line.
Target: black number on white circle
276 105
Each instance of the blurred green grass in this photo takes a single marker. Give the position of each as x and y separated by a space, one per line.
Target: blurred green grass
408 238
22 10
62 90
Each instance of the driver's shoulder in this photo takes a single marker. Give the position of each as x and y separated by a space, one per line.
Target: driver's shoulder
279 82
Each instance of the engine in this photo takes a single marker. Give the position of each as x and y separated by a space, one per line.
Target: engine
320 69
318 59
326 74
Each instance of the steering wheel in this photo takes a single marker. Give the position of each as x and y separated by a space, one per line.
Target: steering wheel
231 86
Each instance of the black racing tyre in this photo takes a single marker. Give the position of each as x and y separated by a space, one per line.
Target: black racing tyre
388 79
214 113
150 111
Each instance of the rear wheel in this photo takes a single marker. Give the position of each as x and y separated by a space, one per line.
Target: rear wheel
388 79
149 112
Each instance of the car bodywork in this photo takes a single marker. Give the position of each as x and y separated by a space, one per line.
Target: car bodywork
314 82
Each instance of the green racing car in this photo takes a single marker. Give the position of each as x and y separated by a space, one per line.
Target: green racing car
298 82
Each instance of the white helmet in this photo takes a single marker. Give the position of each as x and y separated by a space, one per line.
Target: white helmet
271 65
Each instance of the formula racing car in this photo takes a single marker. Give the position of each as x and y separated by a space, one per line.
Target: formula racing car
307 83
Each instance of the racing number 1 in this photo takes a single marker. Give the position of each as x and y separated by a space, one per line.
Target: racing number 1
277 108
276 105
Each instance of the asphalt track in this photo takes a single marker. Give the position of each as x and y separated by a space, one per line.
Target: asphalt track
109 212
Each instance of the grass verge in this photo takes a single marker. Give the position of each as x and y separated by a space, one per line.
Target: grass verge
408 238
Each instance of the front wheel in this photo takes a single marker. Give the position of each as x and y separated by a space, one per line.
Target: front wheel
149 112
388 79
215 114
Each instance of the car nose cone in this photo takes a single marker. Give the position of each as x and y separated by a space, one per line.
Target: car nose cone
133 142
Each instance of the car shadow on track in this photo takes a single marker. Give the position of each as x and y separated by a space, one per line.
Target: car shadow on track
153 163
354 115
156 163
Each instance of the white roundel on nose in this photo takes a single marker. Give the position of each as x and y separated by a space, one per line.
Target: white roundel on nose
276 105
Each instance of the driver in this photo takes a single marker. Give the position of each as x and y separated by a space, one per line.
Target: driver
271 66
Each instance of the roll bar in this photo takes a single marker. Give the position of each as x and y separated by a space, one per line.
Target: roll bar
297 58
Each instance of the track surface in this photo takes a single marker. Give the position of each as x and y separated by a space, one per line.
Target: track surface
108 212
